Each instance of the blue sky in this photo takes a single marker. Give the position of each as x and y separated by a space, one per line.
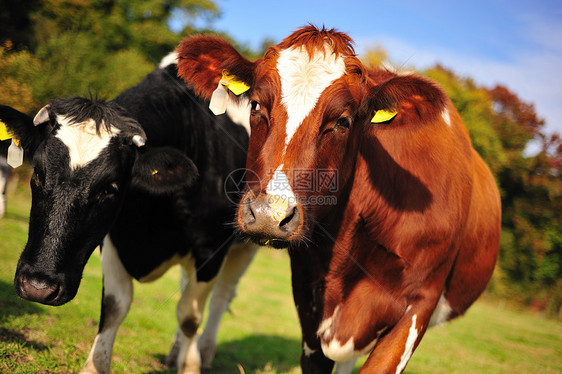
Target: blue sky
513 42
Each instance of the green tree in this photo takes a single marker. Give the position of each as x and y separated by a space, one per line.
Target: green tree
475 107
99 47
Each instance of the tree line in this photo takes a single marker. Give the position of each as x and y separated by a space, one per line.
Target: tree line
57 48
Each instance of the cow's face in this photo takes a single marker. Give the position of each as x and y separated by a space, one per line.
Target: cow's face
305 99
313 104
302 118
85 157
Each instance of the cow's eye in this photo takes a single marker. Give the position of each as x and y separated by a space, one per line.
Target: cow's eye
256 107
110 190
342 123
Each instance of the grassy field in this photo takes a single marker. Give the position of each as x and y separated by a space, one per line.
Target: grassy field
260 335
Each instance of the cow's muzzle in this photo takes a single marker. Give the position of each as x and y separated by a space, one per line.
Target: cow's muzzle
270 220
41 288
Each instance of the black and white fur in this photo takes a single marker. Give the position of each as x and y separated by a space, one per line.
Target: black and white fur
145 174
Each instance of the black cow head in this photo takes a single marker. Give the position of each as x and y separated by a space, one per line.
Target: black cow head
85 156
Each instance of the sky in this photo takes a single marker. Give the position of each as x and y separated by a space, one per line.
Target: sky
515 43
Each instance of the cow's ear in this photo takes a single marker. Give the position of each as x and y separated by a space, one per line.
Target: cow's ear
405 99
203 60
22 126
163 170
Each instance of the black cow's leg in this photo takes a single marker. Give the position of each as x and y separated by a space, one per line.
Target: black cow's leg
307 300
190 313
345 367
117 297
239 257
4 175
172 357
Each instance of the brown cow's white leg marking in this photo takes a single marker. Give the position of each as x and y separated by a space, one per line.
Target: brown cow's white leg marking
339 351
190 313
117 297
441 313
331 346
239 256
409 346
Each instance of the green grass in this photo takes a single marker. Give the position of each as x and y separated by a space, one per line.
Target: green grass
260 335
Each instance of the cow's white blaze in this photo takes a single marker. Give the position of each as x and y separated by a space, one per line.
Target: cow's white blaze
409 346
280 194
82 140
303 79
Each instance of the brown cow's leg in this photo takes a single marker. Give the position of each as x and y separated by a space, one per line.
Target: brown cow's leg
394 350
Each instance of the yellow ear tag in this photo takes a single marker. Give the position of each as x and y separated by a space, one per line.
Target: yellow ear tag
237 87
154 172
383 115
5 134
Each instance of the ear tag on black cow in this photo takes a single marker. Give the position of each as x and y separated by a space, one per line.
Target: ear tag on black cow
15 153
5 134
383 115
219 98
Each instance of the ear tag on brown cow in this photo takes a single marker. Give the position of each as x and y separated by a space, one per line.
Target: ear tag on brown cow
237 87
5 134
15 153
219 98
383 115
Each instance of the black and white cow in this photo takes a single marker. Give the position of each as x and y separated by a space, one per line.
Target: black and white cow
144 174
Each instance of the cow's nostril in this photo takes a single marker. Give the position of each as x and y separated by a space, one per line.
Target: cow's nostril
283 224
248 216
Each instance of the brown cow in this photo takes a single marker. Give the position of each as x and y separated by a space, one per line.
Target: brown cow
391 218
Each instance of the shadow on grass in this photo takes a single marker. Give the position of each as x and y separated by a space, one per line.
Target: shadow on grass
12 305
253 353
19 337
